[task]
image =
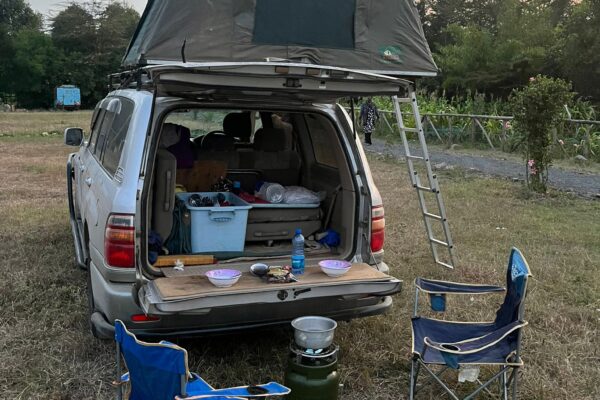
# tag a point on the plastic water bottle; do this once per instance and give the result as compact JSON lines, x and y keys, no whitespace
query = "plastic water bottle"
{"x":298,"y":253}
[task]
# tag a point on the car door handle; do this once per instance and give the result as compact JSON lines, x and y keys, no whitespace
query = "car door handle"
{"x":88,"y":181}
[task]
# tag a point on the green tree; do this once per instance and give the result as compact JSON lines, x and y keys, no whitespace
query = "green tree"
{"x":15,"y":15}
{"x":579,"y":50}
{"x":93,"y":37}
{"x":36,"y":60}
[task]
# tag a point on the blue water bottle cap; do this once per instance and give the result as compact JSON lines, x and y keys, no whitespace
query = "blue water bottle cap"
{"x":298,"y":231}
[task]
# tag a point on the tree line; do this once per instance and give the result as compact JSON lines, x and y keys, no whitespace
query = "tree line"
{"x":493,"y":46}
{"x":79,"y":45}
{"x":481,"y":46}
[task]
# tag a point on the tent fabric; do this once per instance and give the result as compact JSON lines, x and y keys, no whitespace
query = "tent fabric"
{"x":383,"y":36}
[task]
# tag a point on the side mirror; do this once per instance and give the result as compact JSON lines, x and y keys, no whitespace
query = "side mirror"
{"x":73,"y":136}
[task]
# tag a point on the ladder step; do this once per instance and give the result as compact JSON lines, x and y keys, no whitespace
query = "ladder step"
{"x":433,"y":216}
{"x":404,"y":100}
{"x":425,"y":188}
{"x":414,"y":157}
{"x":443,"y":264}
{"x":441,"y":243}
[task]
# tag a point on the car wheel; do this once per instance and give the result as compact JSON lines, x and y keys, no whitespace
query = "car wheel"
{"x":90,"y":300}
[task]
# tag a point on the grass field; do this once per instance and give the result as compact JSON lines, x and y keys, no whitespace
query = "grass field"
{"x":46,"y":351}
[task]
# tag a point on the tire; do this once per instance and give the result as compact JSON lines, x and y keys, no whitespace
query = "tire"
{"x":90,"y":300}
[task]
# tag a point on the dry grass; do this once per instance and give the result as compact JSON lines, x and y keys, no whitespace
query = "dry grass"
{"x":47,"y":352}
{"x":35,"y":123}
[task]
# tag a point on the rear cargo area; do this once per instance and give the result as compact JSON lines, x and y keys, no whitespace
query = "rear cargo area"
{"x":236,"y":184}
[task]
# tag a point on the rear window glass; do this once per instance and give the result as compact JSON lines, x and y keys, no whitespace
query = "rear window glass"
{"x":116,"y":136}
{"x":314,"y":23}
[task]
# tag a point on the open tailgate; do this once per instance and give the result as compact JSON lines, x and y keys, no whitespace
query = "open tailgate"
{"x":290,"y":81}
{"x":192,"y":292}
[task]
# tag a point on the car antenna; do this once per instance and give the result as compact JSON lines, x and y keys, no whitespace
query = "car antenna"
{"x":183,"y":50}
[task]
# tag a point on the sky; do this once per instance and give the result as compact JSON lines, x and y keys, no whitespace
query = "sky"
{"x":49,"y":6}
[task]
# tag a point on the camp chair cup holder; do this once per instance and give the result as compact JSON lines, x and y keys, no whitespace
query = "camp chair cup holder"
{"x":437,"y":302}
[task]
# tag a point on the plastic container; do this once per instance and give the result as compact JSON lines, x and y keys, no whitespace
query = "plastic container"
{"x":217,"y":229}
{"x":298,"y":253}
{"x":271,"y":192}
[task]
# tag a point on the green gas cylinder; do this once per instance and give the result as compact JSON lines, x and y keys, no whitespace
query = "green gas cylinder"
{"x":312,"y":377}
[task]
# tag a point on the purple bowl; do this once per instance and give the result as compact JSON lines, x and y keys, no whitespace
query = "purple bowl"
{"x":335,"y":264}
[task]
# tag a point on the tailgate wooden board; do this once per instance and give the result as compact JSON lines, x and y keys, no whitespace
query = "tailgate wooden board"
{"x":184,"y":287}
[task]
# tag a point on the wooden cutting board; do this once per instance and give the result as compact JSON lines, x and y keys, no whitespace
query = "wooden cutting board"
{"x":198,"y":259}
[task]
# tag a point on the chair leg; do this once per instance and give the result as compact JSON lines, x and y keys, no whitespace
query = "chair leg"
{"x":411,"y":395}
{"x":503,"y":387}
{"x":119,"y":386}
{"x":515,"y":384}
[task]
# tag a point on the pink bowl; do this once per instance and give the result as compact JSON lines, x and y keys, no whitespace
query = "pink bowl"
{"x":223,"y":277}
{"x":335,"y":264}
{"x":335,"y":268}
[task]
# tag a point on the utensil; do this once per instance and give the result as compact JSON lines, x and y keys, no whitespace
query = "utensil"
{"x":259,"y":269}
{"x":335,"y":268}
{"x":314,"y":332}
{"x":223,"y":278}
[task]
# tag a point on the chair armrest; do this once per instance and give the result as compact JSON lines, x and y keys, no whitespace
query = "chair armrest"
{"x":476,"y":344}
{"x":442,"y":287}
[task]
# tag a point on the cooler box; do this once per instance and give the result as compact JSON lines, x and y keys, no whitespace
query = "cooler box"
{"x":280,"y":221}
{"x":217,"y":229}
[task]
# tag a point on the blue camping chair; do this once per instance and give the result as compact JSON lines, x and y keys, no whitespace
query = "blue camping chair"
{"x":159,"y":371}
{"x":438,"y":346}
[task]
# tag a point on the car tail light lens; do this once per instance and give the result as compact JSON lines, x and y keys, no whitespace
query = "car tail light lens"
{"x":377,"y":228}
{"x":119,"y":241}
{"x":143,"y":318}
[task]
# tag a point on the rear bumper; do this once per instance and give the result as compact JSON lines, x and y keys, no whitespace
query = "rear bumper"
{"x":187,"y":326}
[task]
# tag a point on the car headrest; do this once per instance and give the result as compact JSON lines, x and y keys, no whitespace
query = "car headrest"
{"x":217,"y":142}
{"x":171,"y":134}
{"x":238,"y":125}
{"x":183,"y":150}
{"x":269,"y":139}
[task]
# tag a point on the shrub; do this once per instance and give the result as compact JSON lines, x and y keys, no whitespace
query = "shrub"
{"x":537,"y":109}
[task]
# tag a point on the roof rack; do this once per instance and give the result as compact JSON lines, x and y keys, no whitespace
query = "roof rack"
{"x":135,"y":78}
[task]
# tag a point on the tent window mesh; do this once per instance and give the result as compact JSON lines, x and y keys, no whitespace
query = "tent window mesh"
{"x":313,"y":23}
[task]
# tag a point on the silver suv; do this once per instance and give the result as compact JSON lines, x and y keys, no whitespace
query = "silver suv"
{"x":171,"y":130}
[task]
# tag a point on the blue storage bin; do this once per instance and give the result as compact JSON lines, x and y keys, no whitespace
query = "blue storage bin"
{"x":217,"y":229}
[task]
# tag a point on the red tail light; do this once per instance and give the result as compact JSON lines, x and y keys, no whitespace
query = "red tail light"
{"x":137,"y":318}
{"x":119,"y":241}
{"x":377,"y":228}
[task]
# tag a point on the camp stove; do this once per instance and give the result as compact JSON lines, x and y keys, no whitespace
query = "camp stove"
{"x":312,"y":373}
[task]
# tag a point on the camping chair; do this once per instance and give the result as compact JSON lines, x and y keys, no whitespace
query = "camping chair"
{"x":457,"y":345}
{"x":159,"y":371}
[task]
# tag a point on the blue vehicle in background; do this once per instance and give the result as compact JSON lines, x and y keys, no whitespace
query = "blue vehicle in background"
{"x":67,"y":97}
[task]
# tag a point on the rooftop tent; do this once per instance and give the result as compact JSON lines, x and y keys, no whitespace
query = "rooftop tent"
{"x":383,"y":36}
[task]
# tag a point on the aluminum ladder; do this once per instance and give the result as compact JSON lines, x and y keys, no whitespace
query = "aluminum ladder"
{"x":432,"y":187}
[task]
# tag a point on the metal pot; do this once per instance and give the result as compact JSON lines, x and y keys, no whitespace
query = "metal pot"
{"x":314,"y":332}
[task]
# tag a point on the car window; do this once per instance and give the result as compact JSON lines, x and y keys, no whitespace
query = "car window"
{"x":113,"y":107}
{"x":320,"y":132}
{"x":199,"y":122}
{"x":115,"y":139}
{"x":95,"y":128}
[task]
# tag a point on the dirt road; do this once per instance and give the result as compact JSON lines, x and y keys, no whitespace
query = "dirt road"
{"x":585,"y":184}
